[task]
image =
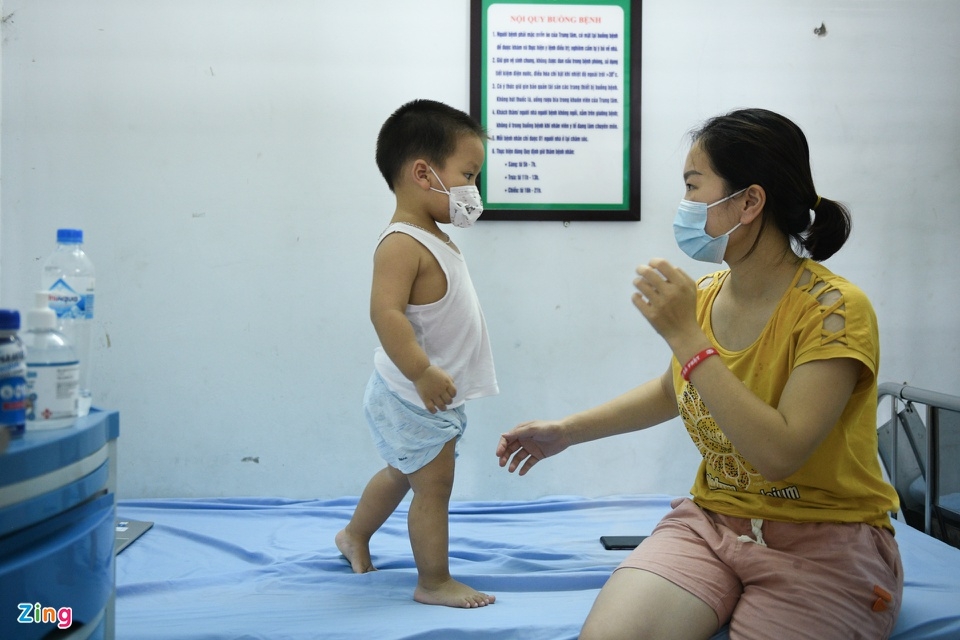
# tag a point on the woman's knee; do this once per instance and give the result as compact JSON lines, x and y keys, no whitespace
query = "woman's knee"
{"x":640,"y":605}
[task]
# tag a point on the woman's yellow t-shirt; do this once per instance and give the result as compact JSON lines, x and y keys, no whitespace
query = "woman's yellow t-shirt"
{"x":821,"y":316}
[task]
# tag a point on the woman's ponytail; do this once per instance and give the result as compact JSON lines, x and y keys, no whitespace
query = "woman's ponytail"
{"x":828,"y":231}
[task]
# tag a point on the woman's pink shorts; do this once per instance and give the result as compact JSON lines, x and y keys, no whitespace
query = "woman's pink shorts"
{"x":807,"y":580}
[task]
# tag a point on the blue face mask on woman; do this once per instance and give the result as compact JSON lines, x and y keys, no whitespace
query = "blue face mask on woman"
{"x":690,"y":230}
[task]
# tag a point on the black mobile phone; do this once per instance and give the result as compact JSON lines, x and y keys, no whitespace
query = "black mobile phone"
{"x":621,"y":542}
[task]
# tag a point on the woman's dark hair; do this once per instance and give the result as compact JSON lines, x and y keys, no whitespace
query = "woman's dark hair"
{"x":756,"y":146}
{"x":421,"y":129}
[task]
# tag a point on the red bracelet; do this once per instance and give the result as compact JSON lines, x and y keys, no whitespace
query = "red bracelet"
{"x":695,"y":361}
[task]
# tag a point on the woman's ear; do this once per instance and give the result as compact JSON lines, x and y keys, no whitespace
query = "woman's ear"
{"x":755,"y":198}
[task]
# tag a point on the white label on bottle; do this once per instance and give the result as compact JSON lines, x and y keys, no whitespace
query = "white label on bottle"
{"x":52,"y":391}
{"x":70,"y":302}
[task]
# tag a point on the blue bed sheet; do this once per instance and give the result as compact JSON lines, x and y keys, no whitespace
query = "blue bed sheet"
{"x":268,"y":568}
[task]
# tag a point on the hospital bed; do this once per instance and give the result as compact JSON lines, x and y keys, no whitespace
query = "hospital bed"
{"x":268,"y":568}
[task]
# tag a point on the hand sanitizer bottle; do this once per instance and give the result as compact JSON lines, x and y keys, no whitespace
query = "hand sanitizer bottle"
{"x":53,"y":370}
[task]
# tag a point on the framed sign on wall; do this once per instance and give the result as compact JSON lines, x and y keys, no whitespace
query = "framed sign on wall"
{"x":556,"y":83}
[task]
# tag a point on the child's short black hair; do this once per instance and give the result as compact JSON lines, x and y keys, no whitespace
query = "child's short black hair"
{"x":421,"y":129}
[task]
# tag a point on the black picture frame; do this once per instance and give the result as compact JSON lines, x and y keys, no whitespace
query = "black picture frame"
{"x":572,"y":33}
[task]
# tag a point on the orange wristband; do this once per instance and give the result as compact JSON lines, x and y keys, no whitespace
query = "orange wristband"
{"x":695,"y":361}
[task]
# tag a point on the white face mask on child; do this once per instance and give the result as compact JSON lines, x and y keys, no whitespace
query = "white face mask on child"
{"x":465,"y":203}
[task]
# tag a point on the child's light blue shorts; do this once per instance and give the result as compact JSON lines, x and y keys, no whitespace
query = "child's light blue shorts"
{"x":408,"y":437}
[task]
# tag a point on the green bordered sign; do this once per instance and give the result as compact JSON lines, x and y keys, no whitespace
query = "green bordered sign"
{"x":557,"y":86}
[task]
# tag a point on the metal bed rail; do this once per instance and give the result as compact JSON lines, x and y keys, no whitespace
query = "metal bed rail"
{"x":934,"y":402}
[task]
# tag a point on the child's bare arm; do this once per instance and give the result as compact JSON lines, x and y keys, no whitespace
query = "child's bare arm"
{"x":396,"y":265}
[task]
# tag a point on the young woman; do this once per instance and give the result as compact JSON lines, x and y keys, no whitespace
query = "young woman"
{"x":787,"y":534}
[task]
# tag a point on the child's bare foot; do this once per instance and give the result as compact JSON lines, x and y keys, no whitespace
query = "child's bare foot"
{"x":355,"y":551}
{"x":452,"y":594}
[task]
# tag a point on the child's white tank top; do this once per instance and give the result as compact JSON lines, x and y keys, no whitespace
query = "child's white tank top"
{"x":452,"y":330}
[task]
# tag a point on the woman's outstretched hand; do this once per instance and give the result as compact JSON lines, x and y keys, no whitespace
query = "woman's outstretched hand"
{"x":527,"y":444}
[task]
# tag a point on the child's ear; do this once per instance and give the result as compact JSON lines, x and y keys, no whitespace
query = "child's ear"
{"x":420,"y":173}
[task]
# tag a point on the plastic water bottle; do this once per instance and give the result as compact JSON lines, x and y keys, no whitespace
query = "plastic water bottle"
{"x":68,"y":276}
{"x":13,"y":374}
{"x":53,"y":370}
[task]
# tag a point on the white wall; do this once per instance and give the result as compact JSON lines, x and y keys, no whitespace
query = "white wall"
{"x":219,"y":156}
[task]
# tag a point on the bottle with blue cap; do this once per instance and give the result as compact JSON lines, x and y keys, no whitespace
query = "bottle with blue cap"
{"x":69,"y":277}
{"x":13,"y":374}
{"x":53,"y":370}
